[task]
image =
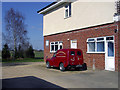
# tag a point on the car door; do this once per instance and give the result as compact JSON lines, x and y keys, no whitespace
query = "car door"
{"x":54,"y":60}
{"x":72,"y":57}
{"x":79,"y":57}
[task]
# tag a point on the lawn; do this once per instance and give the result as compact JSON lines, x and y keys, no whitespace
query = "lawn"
{"x":39,"y":54}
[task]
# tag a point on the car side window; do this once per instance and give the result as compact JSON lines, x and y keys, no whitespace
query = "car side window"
{"x":78,"y":53}
{"x":54,"y":55}
{"x":72,"y":53}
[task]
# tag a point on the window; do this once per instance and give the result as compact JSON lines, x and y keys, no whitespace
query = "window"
{"x":110,"y":49}
{"x":68,"y":10}
{"x":47,"y":42}
{"x":72,"y":53}
{"x":91,"y":46}
{"x":78,"y":53}
{"x":100,"y":47}
{"x":54,"y":46}
{"x":73,"y":43}
{"x":54,"y":55}
{"x":96,"y":44}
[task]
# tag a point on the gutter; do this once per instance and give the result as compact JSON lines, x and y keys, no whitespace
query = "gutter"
{"x":51,"y":7}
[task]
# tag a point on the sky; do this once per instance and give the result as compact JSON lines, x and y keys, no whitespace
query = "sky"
{"x":33,"y":20}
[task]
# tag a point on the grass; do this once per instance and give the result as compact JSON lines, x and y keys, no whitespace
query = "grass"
{"x":39,"y":54}
{"x":23,"y":60}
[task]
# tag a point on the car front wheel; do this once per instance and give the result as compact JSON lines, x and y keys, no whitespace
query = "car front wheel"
{"x":48,"y":65}
{"x":62,"y":68}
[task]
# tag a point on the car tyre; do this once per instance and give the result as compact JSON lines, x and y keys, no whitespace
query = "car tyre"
{"x":47,"y":64}
{"x":84,"y":66}
{"x":62,"y":68}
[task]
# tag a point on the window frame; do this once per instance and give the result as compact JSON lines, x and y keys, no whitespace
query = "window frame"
{"x":68,"y":9}
{"x":53,"y":43}
{"x":96,"y":41}
{"x":47,"y":43}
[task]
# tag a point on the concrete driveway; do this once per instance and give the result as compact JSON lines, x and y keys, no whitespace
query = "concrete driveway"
{"x":36,"y":75}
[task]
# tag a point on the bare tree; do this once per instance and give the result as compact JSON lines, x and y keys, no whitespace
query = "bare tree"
{"x":16,"y":29}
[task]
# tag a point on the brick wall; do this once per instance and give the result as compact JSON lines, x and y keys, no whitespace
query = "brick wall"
{"x":82,"y":35}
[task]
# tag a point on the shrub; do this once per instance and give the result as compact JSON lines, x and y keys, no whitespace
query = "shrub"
{"x":5,"y":52}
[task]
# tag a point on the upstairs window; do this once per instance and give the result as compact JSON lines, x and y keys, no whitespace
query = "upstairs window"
{"x":68,"y":10}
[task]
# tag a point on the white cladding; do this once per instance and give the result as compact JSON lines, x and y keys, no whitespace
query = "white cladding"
{"x":84,"y":14}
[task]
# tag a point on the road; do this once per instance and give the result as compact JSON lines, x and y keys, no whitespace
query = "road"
{"x":36,"y":75}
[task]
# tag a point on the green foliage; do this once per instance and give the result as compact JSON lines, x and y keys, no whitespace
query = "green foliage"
{"x":5,"y":52}
{"x":30,"y":52}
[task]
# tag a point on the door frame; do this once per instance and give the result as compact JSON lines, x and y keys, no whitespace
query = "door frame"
{"x":106,"y":51}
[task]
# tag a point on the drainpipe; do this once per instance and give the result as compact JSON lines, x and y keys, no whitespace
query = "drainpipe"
{"x":117,"y":23}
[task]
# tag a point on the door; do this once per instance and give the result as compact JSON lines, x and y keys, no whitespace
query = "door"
{"x":54,"y":60}
{"x":110,"y":58}
{"x":72,"y":57}
{"x":79,"y":58}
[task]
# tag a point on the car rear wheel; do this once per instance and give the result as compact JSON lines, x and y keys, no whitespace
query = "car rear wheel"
{"x":48,"y":65}
{"x":84,"y":66}
{"x":62,"y":68}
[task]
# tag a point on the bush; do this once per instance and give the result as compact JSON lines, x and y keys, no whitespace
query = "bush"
{"x":5,"y":52}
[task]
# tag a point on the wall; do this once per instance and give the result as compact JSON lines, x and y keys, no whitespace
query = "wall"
{"x":84,"y":14}
{"x":81,"y":35}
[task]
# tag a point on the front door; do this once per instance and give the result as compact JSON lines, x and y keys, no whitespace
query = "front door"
{"x":110,"y":60}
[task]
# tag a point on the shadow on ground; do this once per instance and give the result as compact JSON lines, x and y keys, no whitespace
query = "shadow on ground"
{"x":28,"y":82}
{"x":72,"y":69}
{"x":13,"y":64}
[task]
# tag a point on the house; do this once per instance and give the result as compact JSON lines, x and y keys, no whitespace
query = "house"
{"x":89,"y":26}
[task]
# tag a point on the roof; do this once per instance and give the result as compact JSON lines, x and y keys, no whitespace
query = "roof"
{"x":50,"y":6}
{"x":46,"y":7}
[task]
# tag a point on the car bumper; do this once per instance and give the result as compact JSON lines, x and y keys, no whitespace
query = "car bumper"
{"x":75,"y":66}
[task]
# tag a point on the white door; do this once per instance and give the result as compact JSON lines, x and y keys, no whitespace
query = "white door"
{"x":74,"y":44}
{"x":110,"y":60}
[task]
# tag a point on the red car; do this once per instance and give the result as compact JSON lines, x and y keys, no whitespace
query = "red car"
{"x":67,"y":58}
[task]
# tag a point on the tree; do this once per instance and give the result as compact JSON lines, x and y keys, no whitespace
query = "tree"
{"x":30,"y":52}
{"x":20,"y":52}
{"x":16,"y":30}
{"x":5,"y":52}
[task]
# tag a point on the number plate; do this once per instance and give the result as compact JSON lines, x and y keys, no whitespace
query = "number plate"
{"x":78,"y":65}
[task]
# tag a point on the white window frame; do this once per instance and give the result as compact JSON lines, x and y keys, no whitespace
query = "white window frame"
{"x":68,"y":8}
{"x":95,"y":40}
{"x":75,"y":41}
{"x":56,"y":44}
{"x":47,"y":43}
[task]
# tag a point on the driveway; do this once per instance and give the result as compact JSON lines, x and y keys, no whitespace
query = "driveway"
{"x":36,"y":75}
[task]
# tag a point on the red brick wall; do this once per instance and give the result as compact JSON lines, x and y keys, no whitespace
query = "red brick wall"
{"x":81,"y":36}
{"x":118,"y":45}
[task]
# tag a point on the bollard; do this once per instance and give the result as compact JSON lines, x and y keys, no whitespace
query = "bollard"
{"x":93,"y":64}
